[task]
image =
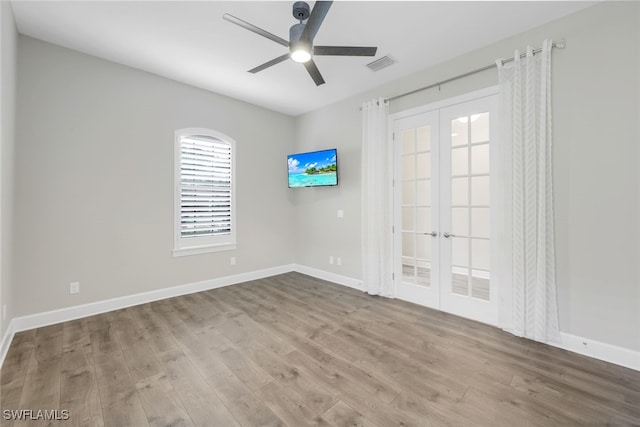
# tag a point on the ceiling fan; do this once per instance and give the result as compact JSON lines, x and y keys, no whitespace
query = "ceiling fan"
{"x":300,"y":43}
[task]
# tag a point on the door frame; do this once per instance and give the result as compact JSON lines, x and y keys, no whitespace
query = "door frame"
{"x":498,"y":267}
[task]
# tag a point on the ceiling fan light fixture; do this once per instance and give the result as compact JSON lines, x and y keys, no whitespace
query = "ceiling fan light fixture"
{"x":300,"y":55}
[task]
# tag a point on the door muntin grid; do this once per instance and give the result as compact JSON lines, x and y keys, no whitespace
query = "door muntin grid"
{"x":470,"y":206}
{"x":416,"y":204}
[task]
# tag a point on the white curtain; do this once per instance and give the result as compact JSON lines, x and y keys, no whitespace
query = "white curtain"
{"x":525,"y":91}
{"x":376,"y":201}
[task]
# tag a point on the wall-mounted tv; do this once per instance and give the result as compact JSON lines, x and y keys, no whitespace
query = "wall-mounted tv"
{"x":313,"y":169}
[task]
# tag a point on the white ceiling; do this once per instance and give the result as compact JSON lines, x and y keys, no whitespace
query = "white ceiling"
{"x":190,"y":42}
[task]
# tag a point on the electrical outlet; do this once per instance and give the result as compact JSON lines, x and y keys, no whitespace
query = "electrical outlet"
{"x":331,"y":259}
{"x":340,"y":213}
{"x":232,"y":260}
{"x":74,"y":288}
{"x":338,"y":261}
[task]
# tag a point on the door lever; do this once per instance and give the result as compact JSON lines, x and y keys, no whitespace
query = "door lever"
{"x":432,"y":234}
{"x":447,"y":235}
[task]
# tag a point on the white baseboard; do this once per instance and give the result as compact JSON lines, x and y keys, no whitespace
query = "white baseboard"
{"x":330,"y":277}
{"x":6,"y":342}
{"x":38,"y":320}
{"x":600,"y":350}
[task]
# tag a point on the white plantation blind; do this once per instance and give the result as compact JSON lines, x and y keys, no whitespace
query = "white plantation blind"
{"x":205,"y":186}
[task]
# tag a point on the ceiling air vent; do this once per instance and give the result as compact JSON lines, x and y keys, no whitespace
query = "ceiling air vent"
{"x":379,"y":64}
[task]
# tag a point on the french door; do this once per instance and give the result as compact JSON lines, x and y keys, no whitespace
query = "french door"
{"x":442,"y":208}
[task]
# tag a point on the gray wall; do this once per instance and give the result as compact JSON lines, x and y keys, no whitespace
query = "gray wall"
{"x":8,"y":60}
{"x":596,"y":83}
{"x":94,"y":180}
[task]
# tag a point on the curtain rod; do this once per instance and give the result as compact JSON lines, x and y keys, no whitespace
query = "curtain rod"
{"x":559,"y":45}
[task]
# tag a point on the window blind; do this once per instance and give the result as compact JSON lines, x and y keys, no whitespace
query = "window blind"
{"x":205,"y":186}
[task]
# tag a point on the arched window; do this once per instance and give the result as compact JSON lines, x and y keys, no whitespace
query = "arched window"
{"x":204,"y":219}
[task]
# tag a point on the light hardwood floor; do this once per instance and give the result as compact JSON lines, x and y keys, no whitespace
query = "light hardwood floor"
{"x":295,"y":351}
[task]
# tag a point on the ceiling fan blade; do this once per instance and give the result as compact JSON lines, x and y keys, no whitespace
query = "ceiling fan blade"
{"x":253,"y":28}
{"x":268,"y":64}
{"x":344,"y":50}
{"x":314,"y":72}
{"x":318,"y":13}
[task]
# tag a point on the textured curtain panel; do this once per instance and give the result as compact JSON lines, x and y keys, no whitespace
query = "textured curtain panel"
{"x":376,"y":200}
{"x":525,"y":91}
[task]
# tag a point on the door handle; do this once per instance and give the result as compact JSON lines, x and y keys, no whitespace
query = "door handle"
{"x":447,"y":235}
{"x":432,"y":234}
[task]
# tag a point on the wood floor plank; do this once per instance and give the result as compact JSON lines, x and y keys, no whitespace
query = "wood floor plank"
{"x":293,"y":350}
{"x":247,"y":409}
{"x":121,"y":405}
{"x":199,"y":400}
{"x":161,"y":402}
{"x":79,"y":386}
{"x":342,"y":415}
{"x":14,"y":372}
{"x":137,"y":353}
{"x":317,"y":398}
{"x":158,"y":337}
{"x":288,"y":407}
{"x":245,"y":369}
{"x":75,"y":334}
{"x":262,"y":311}
{"x":41,"y":390}
{"x":379,"y":411}
{"x":240,"y":328}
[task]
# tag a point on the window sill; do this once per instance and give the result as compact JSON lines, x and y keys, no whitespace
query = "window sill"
{"x":195,"y":250}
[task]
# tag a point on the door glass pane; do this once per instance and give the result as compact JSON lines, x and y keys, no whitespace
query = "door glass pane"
{"x":407,"y":245}
{"x":480,"y":127}
{"x":460,"y":251}
{"x":480,"y":254}
{"x":423,"y":247}
{"x":424,"y":192}
{"x":408,"y":190}
{"x":408,"y":167}
{"x":408,"y":141}
{"x":423,"y":220}
{"x":407,"y":218}
{"x":460,"y":161}
{"x":423,"y":164}
{"x":459,"y":191}
{"x":459,"y":131}
{"x":460,"y":221}
{"x":480,"y":159}
{"x":424,"y":138}
{"x":480,"y":222}
{"x":480,"y":191}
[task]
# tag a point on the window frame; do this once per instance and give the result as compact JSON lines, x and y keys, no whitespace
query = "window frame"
{"x":202,"y":244}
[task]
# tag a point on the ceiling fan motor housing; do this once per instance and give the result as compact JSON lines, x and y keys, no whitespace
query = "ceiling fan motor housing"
{"x":301,"y":10}
{"x":296,"y":45}
{"x":295,"y":32}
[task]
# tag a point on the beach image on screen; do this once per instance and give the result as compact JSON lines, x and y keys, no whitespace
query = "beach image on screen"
{"x":313,"y":169}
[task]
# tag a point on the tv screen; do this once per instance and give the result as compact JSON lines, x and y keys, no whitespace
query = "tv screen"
{"x":317,"y":168}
